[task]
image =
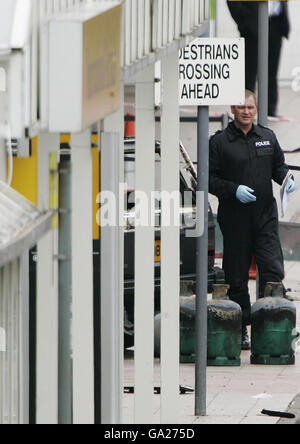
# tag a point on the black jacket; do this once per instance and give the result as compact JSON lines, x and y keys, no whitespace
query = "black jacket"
{"x":245,"y":15}
{"x":252,"y":160}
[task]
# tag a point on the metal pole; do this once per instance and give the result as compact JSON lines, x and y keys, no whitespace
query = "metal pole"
{"x":263,"y":63}
{"x":201,"y":265}
{"x":82,"y":279}
{"x":170,"y":245}
{"x":46,"y":316}
{"x":24,"y":337}
{"x":111,"y":365}
{"x":216,"y":18}
{"x":65,"y":377}
{"x":144,"y":249}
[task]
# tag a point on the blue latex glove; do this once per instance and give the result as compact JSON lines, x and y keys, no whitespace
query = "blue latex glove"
{"x":244,"y":194}
{"x":291,"y":186}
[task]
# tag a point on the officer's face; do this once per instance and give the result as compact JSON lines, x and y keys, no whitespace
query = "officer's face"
{"x":245,"y":115}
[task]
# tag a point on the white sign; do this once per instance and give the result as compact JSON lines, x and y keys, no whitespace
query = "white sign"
{"x":212,"y":72}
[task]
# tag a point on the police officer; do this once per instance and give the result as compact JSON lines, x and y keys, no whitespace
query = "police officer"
{"x":244,"y":159}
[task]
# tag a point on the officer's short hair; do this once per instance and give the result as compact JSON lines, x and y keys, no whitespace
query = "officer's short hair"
{"x":251,"y":94}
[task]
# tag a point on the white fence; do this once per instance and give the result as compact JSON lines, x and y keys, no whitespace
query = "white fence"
{"x":21,"y":225}
{"x":152,"y":25}
{"x":148,"y":24}
{"x":14,"y":375}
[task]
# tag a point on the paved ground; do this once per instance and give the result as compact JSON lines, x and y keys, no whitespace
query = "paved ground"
{"x":235,"y":395}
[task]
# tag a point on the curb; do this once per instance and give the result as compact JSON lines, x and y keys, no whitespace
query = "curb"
{"x":294,"y":408}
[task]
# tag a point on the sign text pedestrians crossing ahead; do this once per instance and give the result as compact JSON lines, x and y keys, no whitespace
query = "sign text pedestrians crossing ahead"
{"x":212,"y":72}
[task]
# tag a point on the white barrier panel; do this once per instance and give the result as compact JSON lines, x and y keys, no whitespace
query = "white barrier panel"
{"x":111,"y":296}
{"x":82,"y":280}
{"x":47,"y":298}
{"x":144,"y":249}
{"x":14,"y":367}
{"x":170,"y":244}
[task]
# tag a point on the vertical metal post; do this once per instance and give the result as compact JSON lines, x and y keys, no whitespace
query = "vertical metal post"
{"x":82,"y":279}
{"x":225,"y":120}
{"x":216,"y":18}
{"x":170,"y":242}
{"x":23,"y":302}
{"x":263,"y":64}
{"x":65,"y":373}
{"x":144,"y":248}
{"x":201,"y":266}
{"x":2,"y":345}
{"x":47,"y":297}
{"x":114,"y":123}
{"x":14,"y":351}
{"x":111,"y":297}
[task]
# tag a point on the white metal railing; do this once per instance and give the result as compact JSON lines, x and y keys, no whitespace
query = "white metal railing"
{"x":10,"y":350}
{"x":150,"y":25}
{"x":21,"y":225}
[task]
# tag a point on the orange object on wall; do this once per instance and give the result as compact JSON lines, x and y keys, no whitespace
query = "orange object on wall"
{"x":129,"y":126}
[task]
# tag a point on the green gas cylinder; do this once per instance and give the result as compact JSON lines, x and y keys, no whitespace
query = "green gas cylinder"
{"x":224,"y":329}
{"x":273,"y":328}
{"x":187,"y":330}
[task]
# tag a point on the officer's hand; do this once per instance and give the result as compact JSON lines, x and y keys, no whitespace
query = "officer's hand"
{"x":244,"y":194}
{"x":291,"y":186}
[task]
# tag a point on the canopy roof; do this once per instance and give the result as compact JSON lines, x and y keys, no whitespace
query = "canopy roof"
{"x":21,"y":224}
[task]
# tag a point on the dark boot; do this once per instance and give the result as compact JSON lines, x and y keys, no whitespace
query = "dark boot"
{"x":245,"y":339}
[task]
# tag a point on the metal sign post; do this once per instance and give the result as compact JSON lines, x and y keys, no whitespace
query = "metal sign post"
{"x":212,"y":72}
{"x":201,"y":265}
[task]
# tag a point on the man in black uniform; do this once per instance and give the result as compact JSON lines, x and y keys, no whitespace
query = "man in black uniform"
{"x":245,"y":14}
{"x":244,"y":159}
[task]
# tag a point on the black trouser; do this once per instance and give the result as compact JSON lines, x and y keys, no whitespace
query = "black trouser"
{"x":251,"y":61}
{"x":275,"y":39}
{"x":250,"y":230}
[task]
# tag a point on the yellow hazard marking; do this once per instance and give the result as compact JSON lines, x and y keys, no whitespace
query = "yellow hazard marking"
{"x":25,"y":171}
